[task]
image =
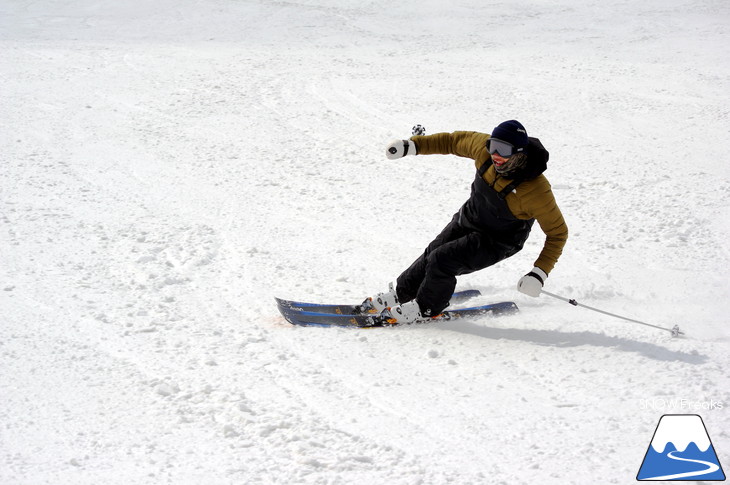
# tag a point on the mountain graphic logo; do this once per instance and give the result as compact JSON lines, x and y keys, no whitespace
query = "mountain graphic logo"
{"x":681,"y":450}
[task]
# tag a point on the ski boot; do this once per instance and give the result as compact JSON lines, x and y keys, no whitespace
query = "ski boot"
{"x":381,"y":301}
{"x":406,"y":313}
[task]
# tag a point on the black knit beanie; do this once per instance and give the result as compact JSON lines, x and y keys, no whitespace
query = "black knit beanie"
{"x":512,"y":132}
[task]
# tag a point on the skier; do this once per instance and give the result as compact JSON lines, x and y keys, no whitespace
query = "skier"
{"x":508,"y":194}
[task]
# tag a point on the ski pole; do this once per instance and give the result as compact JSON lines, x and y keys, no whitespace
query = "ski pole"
{"x":674,"y":330}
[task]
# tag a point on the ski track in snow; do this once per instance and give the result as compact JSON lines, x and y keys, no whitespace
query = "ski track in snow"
{"x":167,"y":169}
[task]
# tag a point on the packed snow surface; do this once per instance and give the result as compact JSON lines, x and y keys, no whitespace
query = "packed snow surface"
{"x":167,"y":168}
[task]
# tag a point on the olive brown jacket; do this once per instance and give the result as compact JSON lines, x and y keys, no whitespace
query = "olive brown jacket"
{"x":532,"y":199}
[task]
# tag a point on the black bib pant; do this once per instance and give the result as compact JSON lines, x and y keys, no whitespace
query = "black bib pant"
{"x":481,"y":234}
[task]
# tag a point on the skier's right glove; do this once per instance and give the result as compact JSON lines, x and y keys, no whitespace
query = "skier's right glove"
{"x":531,"y":284}
{"x":400,"y":148}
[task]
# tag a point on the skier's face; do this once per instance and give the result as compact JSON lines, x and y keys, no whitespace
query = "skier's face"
{"x":499,"y":161}
{"x":511,"y":165}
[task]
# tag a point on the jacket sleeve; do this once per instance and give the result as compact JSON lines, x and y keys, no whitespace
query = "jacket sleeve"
{"x":468,"y":144}
{"x":543,"y":207}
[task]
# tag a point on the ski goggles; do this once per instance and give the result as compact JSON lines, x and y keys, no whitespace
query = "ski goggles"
{"x":501,"y":148}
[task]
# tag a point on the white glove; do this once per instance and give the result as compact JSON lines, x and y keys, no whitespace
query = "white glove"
{"x":400,"y":148}
{"x":531,"y":283}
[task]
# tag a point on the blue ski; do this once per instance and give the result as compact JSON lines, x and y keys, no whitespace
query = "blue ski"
{"x":289,"y":305}
{"x":317,"y":319}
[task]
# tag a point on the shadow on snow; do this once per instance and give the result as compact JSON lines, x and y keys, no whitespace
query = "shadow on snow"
{"x":554,"y":338}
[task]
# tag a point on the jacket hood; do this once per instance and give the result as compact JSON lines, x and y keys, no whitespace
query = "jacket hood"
{"x":537,"y":158}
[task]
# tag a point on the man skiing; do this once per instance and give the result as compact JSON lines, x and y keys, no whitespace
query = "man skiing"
{"x":508,"y":194}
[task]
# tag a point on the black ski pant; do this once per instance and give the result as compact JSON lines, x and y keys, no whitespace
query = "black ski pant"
{"x":431,"y":279}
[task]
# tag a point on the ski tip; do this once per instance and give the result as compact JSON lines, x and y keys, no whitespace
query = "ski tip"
{"x":503,"y":306}
{"x":282,"y":304}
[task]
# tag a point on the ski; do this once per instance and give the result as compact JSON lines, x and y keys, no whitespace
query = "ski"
{"x":317,"y":319}
{"x":299,"y":306}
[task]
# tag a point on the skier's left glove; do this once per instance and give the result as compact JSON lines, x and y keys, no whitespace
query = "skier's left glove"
{"x":400,"y":148}
{"x":531,"y":283}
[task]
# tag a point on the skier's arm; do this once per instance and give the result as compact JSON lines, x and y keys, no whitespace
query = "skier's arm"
{"x":541,"y":205}
{"x":556,"y":235}
{"x":469,"y":144}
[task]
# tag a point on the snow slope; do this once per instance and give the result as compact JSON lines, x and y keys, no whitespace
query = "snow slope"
{"x":169,"y":167}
